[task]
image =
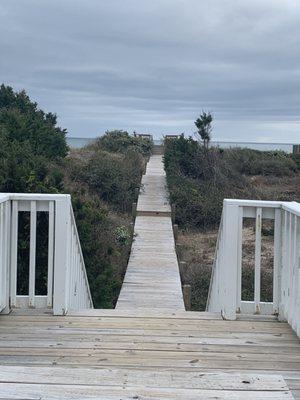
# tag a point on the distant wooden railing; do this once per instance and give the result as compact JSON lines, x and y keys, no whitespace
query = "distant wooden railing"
{"x":67,"y":284}
{"x":225,"y":293}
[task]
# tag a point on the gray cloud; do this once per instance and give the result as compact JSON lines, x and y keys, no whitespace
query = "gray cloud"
{"x":154,"y":65}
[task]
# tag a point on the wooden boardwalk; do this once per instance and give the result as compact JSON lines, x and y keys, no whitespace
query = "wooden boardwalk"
{"x":152,"y":279}
{"x":149,"y":347}
{"x":111,"y":354}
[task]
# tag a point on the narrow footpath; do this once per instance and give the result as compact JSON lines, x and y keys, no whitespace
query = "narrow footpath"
{"x":152,"y":279}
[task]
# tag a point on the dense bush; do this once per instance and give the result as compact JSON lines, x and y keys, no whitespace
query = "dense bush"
{"x":255,"y":162}
{"x":100,"y":178}
{"x":31,"y":145}
{"x":200,"y":178}
{"x":103,"y":185}
{"x":120,"y":142}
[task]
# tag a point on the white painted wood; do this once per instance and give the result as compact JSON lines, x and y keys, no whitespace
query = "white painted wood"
{"x":239,"y":260}
{"x":14,"y":254}
{"x":5,"y":256}
{"x":286,"y":274}
{"x":64,"y":264}
{"x":277,"y":260}
{"x":50,"y":255}
{"x":257,"y":274}
{"x":2,"y":259}
{"x":228,"y":263}
{"x":32,"y":254}
{"x":61,"y":256}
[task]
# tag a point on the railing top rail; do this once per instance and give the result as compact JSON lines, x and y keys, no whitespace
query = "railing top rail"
{"x":291,"y":206}
{"x":37,"y":196}
{"x":255,"y":203}
{"x":82,"y":258}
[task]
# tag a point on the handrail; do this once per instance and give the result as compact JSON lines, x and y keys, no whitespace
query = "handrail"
{"x":214,"y":266}
{"x":89,"y":300}
{"x":65,"y":259}
{"x":225,"y":293}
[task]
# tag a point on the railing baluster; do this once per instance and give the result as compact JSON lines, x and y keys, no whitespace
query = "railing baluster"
{"x":32,"y":254}
{"x":293,"y":272}
{"x":288,"y":271}
{"x":14,"y":255}
{"x":50,"y":255}
{"x":2,"y":259}
{"x":277,"y":260}
{"x":257,"y":276}
{"x":7,"y":233}
{"x":297,"y":279}
{"x":239,"y":259}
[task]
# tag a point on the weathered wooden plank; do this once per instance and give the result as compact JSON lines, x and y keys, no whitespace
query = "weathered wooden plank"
{"x":149,"y":378}
{"x":57,"y":392}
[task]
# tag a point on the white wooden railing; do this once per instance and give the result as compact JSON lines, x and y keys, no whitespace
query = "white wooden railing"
{"x":225,"y":293}
{"x":67,"y":284}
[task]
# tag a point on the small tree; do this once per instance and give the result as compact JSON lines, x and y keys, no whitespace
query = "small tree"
{"x":203,"y":124}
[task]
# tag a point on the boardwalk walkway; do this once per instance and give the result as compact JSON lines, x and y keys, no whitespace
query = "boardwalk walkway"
{"x":152,"y":278}
{"x":149,"y":347}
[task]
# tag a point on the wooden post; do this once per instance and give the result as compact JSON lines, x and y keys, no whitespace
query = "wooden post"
{"x":179,"y":250}
{"x":296,"y":149}
{"x":175,"y":231}
{"x":173,"y":209}
{"x":134,"y":205}
{"x":136,"y":192}
{"x":182,"y":266}
{"x":230,"y":262}
{"x":187,"y":294}
{"x":61,"y":255}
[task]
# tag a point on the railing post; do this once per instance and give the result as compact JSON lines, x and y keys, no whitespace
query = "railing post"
{"x":61,"y":255}
{"x":229,"y":261}
{"x":7,"y":206}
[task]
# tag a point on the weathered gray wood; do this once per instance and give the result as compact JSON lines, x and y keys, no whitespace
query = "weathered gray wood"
{"x":186,"y":289}
{"x":149,"y":378}
{"x":152,"y":279}
{"x":179,"y":356}
{"x":58,"y":392}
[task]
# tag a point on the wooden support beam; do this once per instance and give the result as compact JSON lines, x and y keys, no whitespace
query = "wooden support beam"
{"x":187,"y":295}
{"x":173,"y":210}
{"x":175,"y":231}
{"x":134,"y":209}
{"x":179,"y":247}
{"x":182,"y":266}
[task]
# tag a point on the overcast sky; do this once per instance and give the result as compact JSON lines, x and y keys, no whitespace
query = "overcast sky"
{"x":153,"y":65}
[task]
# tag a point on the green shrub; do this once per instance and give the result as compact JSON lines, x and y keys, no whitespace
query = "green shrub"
{"x":296,"y":159}
{"x":100,"y":178}
{"x":255,"y":162}
{"x":199,"y":178}
{"x":120,"y":142}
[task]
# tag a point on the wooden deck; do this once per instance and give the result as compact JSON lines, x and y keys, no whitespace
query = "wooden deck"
{"x":152,"y":279}
{"x":111,"y":354}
